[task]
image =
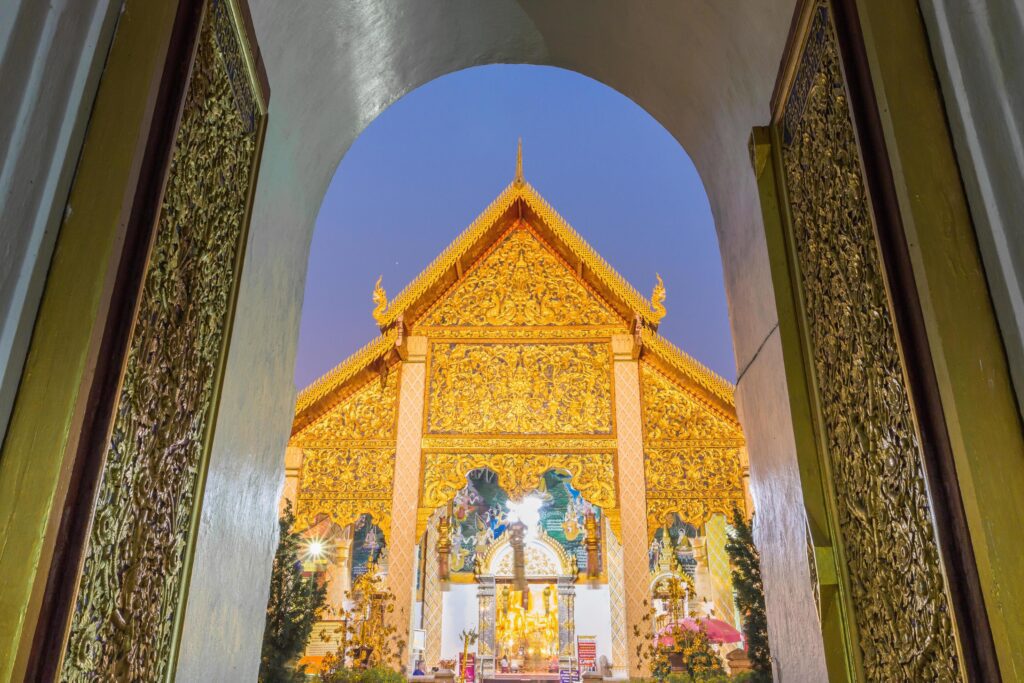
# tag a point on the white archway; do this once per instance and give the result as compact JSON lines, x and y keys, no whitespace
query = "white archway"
{"x":704,"y":70}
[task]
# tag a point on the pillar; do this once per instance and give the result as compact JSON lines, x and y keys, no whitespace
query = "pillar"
{"x":632,"y":491}
{"x":566,"y":622}
{"x":486,"y":593}
{"x":339,"y":573}
{"x":292,"y":468}
{"x":401,"y":539}
{"x":617,"y":602}
{"x":432,"y":603}
{"x":718,"y":568}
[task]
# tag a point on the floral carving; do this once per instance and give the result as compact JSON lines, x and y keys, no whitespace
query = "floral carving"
{"x":671,"y":412}
{"x":521,"y":282}
{"x":129,"y":589}
{"x":369,"y":413}
{"x":520,"y":389}
{"x":901,"y":608}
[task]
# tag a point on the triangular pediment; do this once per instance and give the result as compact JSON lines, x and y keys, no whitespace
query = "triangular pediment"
{"x":520,"y":281}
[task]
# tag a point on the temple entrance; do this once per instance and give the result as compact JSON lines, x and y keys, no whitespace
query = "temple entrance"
{"x":838,"y":322}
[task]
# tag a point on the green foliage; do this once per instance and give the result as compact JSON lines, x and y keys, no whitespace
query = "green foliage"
{"x":292,"y":610}
{"x":746,"y":581}
{"x":376,"y":674}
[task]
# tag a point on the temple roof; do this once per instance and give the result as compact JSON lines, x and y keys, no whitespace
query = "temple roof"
{"x":518,"y":203}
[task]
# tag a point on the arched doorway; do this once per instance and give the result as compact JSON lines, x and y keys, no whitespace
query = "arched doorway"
{"x":707,"y":74}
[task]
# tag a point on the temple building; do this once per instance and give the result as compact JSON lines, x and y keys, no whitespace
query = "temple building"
{"x":520,"y":453}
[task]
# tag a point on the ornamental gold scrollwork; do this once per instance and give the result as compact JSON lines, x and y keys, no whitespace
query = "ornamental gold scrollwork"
{"x":130,"y":584}
{"x":901,"y":607}
{"x":593,"y":474}
{"x":693,"y":471}
{"x":672,"y":412}
{"x":521,"y":282}
{"x":344,"y":511}
{"x":369,"y":413}
{"x":347,"y":473}
{"x":694,"y":511}
{"x":519,"y":389}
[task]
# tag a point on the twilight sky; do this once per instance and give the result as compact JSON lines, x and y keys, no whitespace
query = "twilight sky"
{"x":427,"y":166}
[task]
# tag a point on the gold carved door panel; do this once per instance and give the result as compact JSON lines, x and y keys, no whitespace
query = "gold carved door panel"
{"x":893,"y":618}
{"x":129,"y":595}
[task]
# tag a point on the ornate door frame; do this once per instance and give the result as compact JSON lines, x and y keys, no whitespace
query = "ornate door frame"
{"x":110,"y":435}
{"x":890,"y":542}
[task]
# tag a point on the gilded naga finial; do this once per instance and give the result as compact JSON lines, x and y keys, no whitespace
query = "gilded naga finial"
{"x":519,"y":164}
{"x":658,"y":299}
{"x":380,"y":298}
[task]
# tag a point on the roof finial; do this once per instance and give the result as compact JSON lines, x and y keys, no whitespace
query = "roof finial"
{"x":380,"y":298}
{"x":658,"y":300}
{"x":519,"y":163}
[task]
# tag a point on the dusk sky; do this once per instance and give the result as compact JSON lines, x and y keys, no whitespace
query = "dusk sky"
{"x":426,"y":167}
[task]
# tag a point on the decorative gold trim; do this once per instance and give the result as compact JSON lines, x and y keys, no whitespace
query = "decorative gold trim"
{"x":344,"y":371}
{"x":593,"y":262}
{"x":520,"y":444}
{"x":689,"y":366}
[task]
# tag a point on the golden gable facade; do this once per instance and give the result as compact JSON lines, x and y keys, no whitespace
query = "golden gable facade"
{"x":520,"y":351}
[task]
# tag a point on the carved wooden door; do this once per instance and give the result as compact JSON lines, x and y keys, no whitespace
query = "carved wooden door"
{"x":124,"y":591}
{"x":894,"y":574}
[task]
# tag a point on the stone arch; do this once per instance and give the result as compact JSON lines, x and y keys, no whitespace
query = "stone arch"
{"x":704,"y":72}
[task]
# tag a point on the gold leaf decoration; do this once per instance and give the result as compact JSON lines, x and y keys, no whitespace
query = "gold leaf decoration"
{"x":369,"y":413}
{"x":521,"y":282}
{"x":131,"y":579}
{"x":520,"y":389}
{"x":672,"y":412}
{"x":593,"y":474}
{"x":901,"y":605}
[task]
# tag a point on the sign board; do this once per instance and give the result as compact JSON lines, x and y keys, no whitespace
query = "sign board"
{"x":586,"y":650}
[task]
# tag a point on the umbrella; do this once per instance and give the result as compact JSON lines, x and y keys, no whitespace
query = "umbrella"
{"x":720,"y":632}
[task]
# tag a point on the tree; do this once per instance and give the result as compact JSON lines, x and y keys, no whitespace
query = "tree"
{"x":292,"y":610}
{"x":746,"y":581}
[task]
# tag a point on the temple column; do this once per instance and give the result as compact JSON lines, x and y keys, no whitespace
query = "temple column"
{"x":566,"y":622}
{"x":401,"y":538}
{"x":632,"y":491}
{"x":339,"y":573}
{"x":292,"y":467}
{"x":432,"y":602}
{"x":486,"y":593}
{"x":718,"y":568}
{"x":617,"y":602}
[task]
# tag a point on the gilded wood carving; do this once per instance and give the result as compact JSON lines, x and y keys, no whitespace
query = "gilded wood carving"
{"x":901,"y":609}
{"x":691,"y":453}
{"x":593,"y":474}
{"x":369,"y":413}
{"x":521,"y":282}
{"x":519,"y":389}
{"x":672,"y":413}
{"x":128,"y":592}
{"x":348,"y":464}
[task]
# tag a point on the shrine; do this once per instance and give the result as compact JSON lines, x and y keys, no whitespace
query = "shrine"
{"x":521,"y":455}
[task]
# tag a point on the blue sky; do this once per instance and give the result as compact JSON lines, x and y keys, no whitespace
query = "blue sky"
{"x":427,"y":166}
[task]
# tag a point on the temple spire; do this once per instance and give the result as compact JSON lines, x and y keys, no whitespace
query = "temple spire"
{"x":519,"y":163}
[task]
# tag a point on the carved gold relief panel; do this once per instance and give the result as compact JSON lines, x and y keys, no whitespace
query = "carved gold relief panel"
{"x":900,"y":604}
{"x":128,"y":594}
{"x":495,"y":389}
{"x":344,"y":483}
{"x":369,"y":413}
{"x":673,"y":413}
{"x":593,"y":474}
{"x":521,"y":282}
